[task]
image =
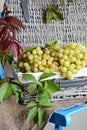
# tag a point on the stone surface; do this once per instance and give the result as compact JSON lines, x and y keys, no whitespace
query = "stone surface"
{"x":13,"y":116}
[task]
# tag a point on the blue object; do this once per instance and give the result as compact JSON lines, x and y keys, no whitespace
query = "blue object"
{"x":62,"y":118}
{"x":0,"y":14}
{"x":2,"y":72}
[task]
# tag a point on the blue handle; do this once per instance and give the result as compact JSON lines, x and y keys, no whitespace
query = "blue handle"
{"x":62,"y":118}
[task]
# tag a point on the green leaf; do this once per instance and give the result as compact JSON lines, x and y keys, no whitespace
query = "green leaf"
{"x":57,"y":16}
{"x":45,"y":102}
{"x":49,"y":93}
{"x":46,"y":75}
{"x":5,"y":91}
{"x":31,"y":104}
{"x":29,"y":48}
{"x":49,"y":16}
{"x":2,"y":81}
{"x":51,"y":43}
{"x":39,"y":83}
{"x":32,"y":114}
{"x":18,"y":92}
{"x":16,"y":82}
{"x":49,"y":84}
{"x":41,"y":116}
{"x":42,"y":95}
{"x":32,"y":88}
{"x":15,"y":66}
{"x":29,"y":77}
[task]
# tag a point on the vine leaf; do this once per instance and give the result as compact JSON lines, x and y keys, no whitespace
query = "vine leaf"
{"x":29,"y":77}
{"x":31,"y":104}
{"x":51,"y":86}
{"x":5,"y":91}
{"x":45,"y":102}
{"x":53,"y":12}
{"x":32,"y":88}
{"x":46,"y":75}
{"x":32,"y":114}
{"x":41,"y":116}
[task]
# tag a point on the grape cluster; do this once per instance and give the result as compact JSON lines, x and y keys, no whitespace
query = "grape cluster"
{"x":67,"y":59}
{"x":72,"y":58}
{"x":39,"y":60}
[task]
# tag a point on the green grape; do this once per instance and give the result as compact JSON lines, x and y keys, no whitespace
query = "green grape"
{"x":30,"y":57}
{"x":78,"y":62}
{"x":66,"y":63}
{"x":26,"y":64}
{"x":51,"y":70}
{"x":43,"y":62}
{"x":35,"y":65}
{"x":62,"y":61}
{"x":35,"y":69}
{"x":38,"y":48}
{"x":76,"y":51}
{"x":78,"y":67}
{"x":21,"y":64}
{"x":41,"y":68}
{"x":60,"y":55}
{"x":79,"y":56}
{"x":73,"y":59}
{"x":71,"y":52}
{"x":28,"y":53}
{"x":66,"y":51}
{"x":39,"y":62}
{"x":27,"y":68}
{"x":83,"y":63}
{"x":34,"y":52}
{"x":49,"y":62}
{"x":65,"y":57}
{"x":64,"y":69}
{"x":47,"y":51}
{"x":69,"y":75}
{"x":53,"y":54}
{"x":46,"y":70}
{"x":74,"y":71}
{"x":52,"y":65}
{"x":72,"y":45}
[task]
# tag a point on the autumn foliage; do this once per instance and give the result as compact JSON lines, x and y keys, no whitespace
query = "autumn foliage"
{"x":8,"y":25}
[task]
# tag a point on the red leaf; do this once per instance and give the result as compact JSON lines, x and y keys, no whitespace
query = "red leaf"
{"x":5,"y":44}
{"x":19,"y":45}
{"x":2,"y":21}
{"x":15,"y":20}
{"x":16,"y":50}
{"x":1,"y":30}
{"x":5,"y":35}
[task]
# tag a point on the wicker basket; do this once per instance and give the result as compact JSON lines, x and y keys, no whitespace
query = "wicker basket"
{"x":73,"y":28}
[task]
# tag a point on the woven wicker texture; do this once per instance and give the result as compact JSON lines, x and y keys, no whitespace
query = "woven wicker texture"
{"x":73,"y":28}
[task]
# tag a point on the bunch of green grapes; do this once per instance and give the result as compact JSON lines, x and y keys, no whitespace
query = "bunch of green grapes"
{"x":67,"y":59}
{"x":72,"y":57}
{"x":38,"y":60}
